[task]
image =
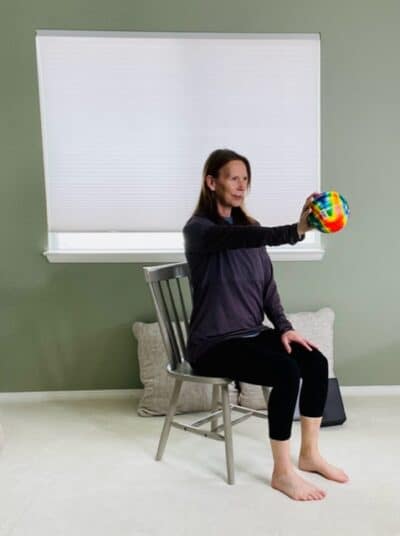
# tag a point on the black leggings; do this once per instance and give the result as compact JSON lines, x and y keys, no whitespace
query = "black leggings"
{"x":263,"y":360}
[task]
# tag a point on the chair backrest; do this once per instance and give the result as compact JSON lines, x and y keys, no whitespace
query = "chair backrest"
{"x":167,"y":284}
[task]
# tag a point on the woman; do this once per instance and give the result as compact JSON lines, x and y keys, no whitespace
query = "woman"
{"x":233,"y":286}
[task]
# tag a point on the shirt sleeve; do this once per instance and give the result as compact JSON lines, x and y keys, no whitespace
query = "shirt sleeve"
{"x":272,"y":302}
{"x":209,"y":237}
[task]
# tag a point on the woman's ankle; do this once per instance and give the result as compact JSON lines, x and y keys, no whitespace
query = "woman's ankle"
{"x":283,"y":470}
{"x":309,"y":452}
{"x":281,"y":455}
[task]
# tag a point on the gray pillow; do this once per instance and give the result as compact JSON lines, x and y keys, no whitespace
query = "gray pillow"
{"x":317,"y":327}
{"x":158,"y":384}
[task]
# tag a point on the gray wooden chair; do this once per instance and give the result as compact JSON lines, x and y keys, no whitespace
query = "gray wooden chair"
{"x":167,"y":285}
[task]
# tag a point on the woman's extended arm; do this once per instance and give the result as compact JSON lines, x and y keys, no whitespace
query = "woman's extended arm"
{"x":202,"y":234}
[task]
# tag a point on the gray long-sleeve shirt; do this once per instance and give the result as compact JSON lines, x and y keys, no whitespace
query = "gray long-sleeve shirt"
{"x":232,"y":280}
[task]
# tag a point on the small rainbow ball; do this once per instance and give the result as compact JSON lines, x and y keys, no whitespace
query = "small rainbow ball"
{"x":329,"y":212}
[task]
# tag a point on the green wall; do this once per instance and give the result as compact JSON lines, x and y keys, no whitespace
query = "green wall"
{"x":68,"y":326}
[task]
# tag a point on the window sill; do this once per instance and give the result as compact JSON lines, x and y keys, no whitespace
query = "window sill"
{"x":151,"y":247}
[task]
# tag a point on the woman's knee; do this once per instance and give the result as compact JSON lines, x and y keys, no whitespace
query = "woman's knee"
{"x":314,"y":361}
{"x":320,"y":361}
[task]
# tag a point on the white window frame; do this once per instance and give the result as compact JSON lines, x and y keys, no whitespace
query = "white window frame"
{"x":149,"y":247}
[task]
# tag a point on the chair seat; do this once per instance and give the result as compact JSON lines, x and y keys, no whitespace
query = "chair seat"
{"x":185,"y":371}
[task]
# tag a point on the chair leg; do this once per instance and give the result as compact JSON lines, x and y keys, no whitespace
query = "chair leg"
{"x":228,"y":434}
{"x":214,"y":405}
{"x":265,"y":390}
{"x":168,"y":418}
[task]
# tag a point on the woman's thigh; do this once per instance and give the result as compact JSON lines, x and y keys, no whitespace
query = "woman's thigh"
{"x":261,"y":360}
{"x":308,"y":361}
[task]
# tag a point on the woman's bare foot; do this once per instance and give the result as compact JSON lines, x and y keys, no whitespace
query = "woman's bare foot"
{"x":316,"y":464}
{"x":296,"y":487}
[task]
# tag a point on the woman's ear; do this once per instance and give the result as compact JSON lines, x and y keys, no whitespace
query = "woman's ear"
{"x":210,"y":182}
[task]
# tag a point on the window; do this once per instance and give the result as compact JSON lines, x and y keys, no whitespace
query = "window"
{"x":129,"y":118}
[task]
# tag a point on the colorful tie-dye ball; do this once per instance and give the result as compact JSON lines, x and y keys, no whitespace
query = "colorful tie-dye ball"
{"x":329,"y":212}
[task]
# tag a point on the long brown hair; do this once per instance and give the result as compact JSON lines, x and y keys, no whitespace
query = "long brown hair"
{"x":207,"y":203}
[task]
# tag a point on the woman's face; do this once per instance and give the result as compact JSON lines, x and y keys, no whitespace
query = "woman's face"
{"x":230,"y":187}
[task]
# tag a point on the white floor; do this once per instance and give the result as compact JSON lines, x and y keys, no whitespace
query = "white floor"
{"x":86,"y":467}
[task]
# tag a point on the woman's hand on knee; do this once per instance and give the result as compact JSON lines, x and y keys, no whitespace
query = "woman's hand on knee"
{"x":294,"y":336}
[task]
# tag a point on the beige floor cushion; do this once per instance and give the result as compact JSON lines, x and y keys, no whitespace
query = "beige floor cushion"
{"x":158,"y":384}
{"x":317,"y":327}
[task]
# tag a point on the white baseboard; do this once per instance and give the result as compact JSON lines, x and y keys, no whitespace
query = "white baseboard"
{"x":346,"y":390}
{"x":370,"y":390}
{"x":71,"y":395}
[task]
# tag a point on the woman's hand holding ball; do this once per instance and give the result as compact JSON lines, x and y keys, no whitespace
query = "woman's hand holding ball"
{"x":327,"y":212}
{"x":303,"y":226}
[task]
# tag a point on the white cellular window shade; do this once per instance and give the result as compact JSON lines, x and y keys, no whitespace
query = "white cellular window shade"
{"x":129,"y":118}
